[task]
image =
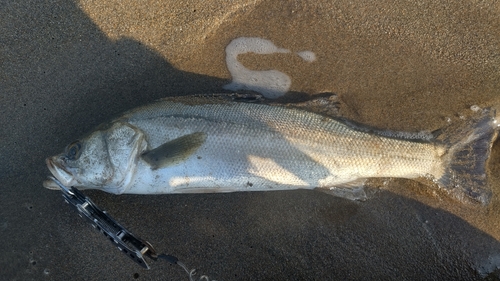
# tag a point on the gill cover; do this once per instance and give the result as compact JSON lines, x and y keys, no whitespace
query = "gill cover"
{"x":124,"y":145}
{"x":105,"y":159}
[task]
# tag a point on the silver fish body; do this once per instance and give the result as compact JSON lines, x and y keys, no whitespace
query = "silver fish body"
{"x":223,"y":146}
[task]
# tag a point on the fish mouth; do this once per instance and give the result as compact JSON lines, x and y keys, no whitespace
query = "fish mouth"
{"x":59,"y":172}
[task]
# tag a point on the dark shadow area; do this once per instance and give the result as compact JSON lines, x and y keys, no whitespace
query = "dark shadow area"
{"x":60,"y":77}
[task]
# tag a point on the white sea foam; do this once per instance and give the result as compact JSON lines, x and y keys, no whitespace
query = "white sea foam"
{"x":307,"y":56}
{"x":475,"y":108}
{"x":270,"y":83}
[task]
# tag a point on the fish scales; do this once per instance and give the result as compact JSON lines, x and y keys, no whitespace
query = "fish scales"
{"x":318,"y":151}
{"x":222,"y":146}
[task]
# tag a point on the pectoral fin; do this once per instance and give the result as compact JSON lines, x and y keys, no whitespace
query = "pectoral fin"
{"x":174,"y":151}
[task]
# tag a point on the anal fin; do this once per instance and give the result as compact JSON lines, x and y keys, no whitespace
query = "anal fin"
{"x":353,"y":190}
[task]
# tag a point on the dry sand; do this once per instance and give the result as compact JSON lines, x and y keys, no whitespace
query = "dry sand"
{"x":68,"y":66}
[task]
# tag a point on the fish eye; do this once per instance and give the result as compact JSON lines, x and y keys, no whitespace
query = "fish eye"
{"x":73,"y":150}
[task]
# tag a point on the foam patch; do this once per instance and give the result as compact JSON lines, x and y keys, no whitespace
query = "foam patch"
{"x":270,"y":83}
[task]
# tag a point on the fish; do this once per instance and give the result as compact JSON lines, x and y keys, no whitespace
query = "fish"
{"x":208,"y":145}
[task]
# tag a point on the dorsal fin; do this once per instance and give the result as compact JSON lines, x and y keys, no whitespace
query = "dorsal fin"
{"x":326,"y":104}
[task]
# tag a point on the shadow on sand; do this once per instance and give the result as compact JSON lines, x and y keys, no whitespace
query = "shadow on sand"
{"x":61,"y":76}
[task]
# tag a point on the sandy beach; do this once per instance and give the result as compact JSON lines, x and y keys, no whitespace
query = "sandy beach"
{"x":67,"y":66}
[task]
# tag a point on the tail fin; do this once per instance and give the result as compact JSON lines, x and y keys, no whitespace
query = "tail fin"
{"x":469,"y":147}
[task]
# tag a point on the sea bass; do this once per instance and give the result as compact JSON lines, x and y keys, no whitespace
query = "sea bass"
{"x":200,"y":145}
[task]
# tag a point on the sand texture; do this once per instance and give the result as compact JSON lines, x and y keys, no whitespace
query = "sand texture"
{"x":67,"y":66}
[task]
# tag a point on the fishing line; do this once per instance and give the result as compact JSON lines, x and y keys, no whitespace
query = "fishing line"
{"x":191,"y":273}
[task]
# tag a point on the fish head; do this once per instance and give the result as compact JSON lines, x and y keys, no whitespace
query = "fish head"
{"x":105,"y":159}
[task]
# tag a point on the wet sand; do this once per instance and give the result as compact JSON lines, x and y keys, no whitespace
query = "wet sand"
{"x":68,"y":66}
